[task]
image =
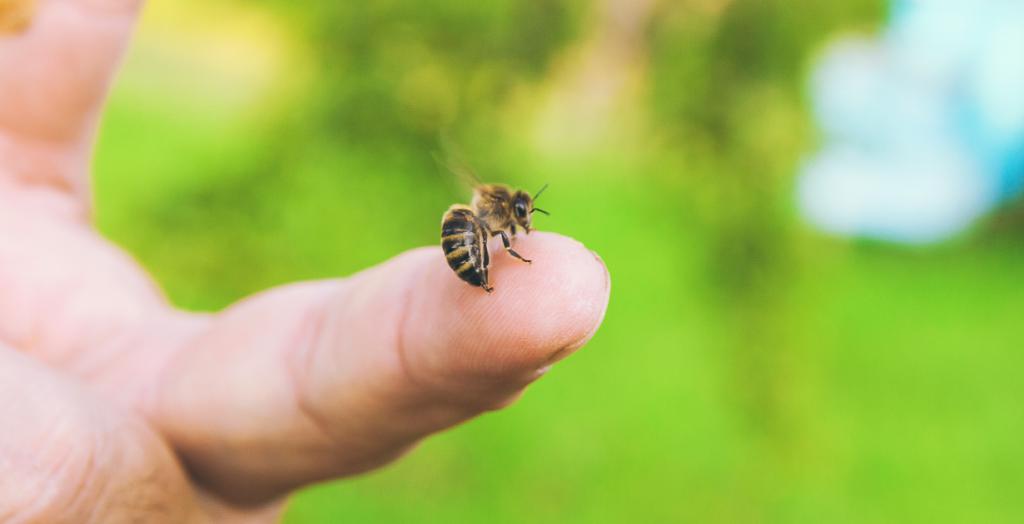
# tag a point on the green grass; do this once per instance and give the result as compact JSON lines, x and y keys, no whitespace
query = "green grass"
{"x":906,"y":410}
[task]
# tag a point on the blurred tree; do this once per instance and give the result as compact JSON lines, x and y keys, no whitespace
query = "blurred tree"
{"x":595,"y":91}
{"x":394,"y":74}
{"x":726,"y":89}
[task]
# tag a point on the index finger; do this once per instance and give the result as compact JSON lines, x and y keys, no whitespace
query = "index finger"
{"x":57,"y":58}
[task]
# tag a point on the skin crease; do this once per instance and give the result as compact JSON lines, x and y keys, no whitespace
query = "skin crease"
{"x":118,"y":407}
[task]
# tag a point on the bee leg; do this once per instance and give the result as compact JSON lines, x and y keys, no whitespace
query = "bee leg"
{"x":508,"y":247}
{"x":483,"y":282}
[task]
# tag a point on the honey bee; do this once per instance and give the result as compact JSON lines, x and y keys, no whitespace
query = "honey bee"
{"x":496,"y":210}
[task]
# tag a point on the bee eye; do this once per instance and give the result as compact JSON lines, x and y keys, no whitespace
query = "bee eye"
{"x":520,"y":209}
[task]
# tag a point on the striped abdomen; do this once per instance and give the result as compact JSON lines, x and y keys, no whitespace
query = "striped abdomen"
{"x":464,"y":242}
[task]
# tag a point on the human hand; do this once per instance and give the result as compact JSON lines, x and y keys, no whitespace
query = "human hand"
{"x":116,"y":406}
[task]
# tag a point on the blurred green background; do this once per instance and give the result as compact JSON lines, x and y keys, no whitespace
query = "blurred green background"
{"x":749,"y":369}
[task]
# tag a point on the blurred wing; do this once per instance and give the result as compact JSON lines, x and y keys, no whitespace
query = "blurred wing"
{"x":452,"y":159}
{"x":465,"y":173}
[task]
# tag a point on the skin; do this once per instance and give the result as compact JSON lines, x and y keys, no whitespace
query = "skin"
{"x":118,"y":407}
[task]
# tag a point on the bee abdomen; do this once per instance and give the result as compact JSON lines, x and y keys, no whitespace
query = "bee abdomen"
{"x":464,"y":244}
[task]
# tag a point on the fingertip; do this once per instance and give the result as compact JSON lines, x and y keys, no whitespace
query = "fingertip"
{"x":557,"y":302}
{"x":537,"y":314}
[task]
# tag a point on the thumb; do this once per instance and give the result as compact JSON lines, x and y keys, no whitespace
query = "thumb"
{"x":333,"y":378}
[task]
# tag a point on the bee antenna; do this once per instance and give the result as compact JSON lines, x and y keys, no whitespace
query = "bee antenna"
{"x":541,"y":211}
{"x":537,"y":194}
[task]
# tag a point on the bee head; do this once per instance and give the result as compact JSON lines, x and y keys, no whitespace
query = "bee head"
{"x":522,"y":209}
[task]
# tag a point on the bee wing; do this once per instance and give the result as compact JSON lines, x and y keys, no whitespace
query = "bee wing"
{"x":452,"y":159}
{"x":465,"y":174}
